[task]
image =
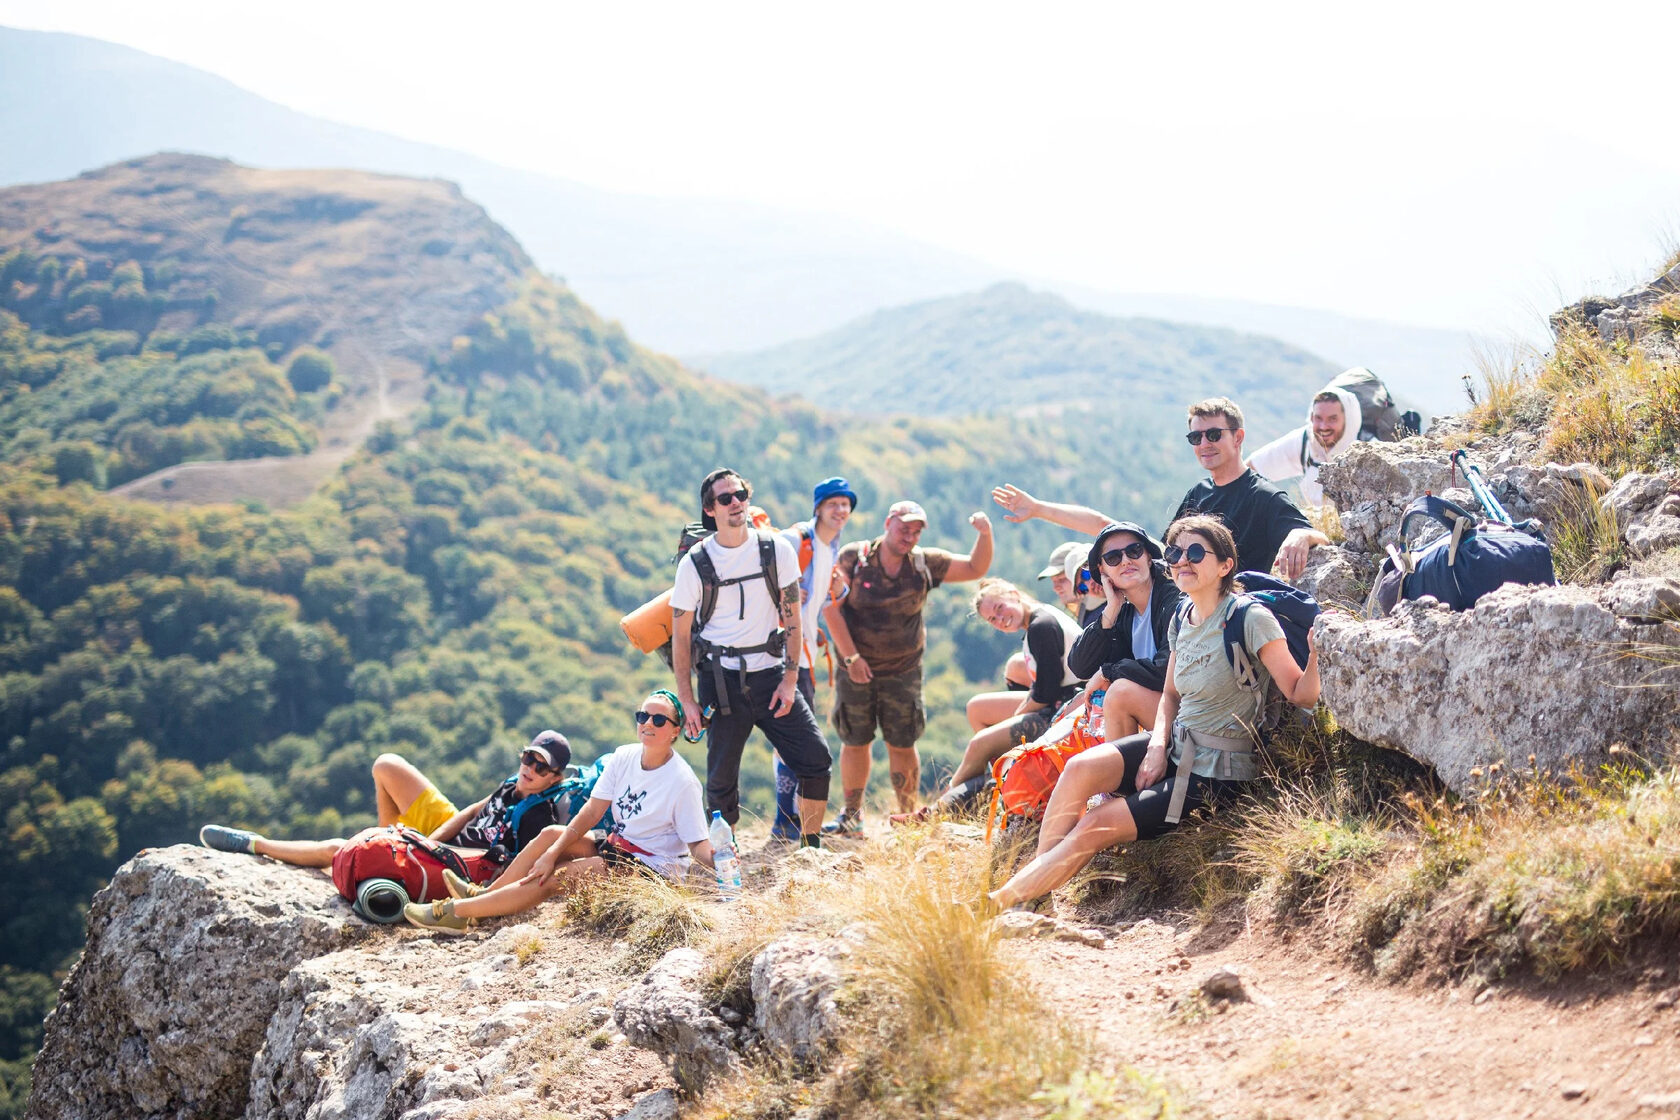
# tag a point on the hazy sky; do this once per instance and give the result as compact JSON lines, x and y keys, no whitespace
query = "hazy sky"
{"x":1446,"y":164}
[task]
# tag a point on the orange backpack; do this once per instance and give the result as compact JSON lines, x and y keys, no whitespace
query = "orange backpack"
{"x":1025,"y":777}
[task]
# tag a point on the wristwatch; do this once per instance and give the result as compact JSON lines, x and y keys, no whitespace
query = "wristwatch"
{"x":846,"y":662}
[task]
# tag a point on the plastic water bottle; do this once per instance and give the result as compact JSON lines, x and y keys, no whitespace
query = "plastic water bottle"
{"x":724,"y":859}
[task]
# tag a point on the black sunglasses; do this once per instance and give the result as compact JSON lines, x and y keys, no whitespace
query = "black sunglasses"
{"x":1195,"y":554}
{"x":1213,"y":435}
{"x":730,"y":497}
{"x":536,"y":762}
{"x":1133,"y":551}
{"x":660,"y":719}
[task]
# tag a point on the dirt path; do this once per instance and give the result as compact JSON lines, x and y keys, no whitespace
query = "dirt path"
{"x":1321,"y":1039}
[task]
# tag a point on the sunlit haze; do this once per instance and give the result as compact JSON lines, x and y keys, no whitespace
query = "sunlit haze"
{"x":1441,"y":165}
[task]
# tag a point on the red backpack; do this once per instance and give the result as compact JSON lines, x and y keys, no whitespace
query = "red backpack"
{"x":406,"y":857}
{"x":1027,"y":775}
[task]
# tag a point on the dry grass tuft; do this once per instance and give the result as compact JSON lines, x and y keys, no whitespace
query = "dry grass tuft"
{"x":1510,"y":396}
{"x":650,"y":912}
{"x":1613,"y":405}
{"x":1585,"y":537}
{"x":526,"y":949}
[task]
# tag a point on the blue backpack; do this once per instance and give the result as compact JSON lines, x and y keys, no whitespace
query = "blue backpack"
{"x":1295,"y":611}
{"x":1462,"y":565}
{"x":574,"y":791}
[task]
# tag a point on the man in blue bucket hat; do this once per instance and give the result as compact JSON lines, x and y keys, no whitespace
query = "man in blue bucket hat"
{"x":817,"y":543}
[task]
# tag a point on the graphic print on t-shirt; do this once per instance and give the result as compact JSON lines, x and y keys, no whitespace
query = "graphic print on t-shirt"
{"x":628,"y":806}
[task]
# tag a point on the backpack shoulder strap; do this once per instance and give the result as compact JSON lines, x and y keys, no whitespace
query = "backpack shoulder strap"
{"x":1306,"y":435}
{"x":919,"y":559}
{"x":707,"y":571}
{"x":1243,"y":664}
{"x":767,"y":565}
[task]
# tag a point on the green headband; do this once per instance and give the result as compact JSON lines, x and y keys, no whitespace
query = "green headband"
{"x":675,"y":703}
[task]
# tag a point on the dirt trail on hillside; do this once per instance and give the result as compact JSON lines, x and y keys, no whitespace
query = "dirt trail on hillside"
{"x":1319,"y":1038}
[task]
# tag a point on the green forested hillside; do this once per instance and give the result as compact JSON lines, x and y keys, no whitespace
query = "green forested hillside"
{"x":1011,"y":349}
{"x":454,"y":589}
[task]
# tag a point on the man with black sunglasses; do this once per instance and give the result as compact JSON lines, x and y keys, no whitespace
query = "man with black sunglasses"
{"x":735,"y":620}
{"x":1268,"y":527}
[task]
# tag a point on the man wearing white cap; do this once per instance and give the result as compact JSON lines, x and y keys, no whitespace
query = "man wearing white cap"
{"x":877,"y":629}
{"x":1066,"y":573}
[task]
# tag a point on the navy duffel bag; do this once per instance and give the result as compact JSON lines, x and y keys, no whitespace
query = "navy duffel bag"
{"x":1471,"y":560}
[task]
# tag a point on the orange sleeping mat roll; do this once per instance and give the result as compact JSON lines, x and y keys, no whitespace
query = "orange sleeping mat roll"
{"x":649,"y":626}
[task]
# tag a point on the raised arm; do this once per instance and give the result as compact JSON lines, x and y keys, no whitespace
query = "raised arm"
{"x":1022,"y":506}
{"x":979,"y":558}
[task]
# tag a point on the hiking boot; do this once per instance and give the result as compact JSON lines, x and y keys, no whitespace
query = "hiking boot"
{"x":439,"y":916}
{"x":224,"y":839}
{"x":847,"y":826}
{"x":459,"y":887}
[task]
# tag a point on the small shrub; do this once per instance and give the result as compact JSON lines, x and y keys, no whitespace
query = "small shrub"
{"x":649,"y":911}
{"x":310,"y":370}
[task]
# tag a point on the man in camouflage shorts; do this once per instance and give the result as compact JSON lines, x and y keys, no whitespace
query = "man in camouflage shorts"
{"x":878,"y":631}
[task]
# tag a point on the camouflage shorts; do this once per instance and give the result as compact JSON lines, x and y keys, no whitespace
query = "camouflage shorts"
{"x":891,"y":702}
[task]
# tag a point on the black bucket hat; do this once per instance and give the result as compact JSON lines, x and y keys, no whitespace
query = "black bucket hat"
{"x":1094,"y":558}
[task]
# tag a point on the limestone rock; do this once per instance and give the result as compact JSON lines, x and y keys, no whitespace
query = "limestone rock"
{"x":1223,"y":983}
{"x":668,"y":1014}
{"x":1025,"y":923}
{"x":659,"y":1105}
{"x":1545,"y":671}
{"x":1647,"y":509}
{"x":1337,"y":577}
{"x":794,"y":981}
{"x":186,"y":954}
{"x":1631,"y":316}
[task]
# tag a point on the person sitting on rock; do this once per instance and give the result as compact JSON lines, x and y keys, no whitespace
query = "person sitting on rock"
{"x":1267,"y":526}
{"x":1200,"y":751}
{"x":1123,"y":651}
{"x":405,"y":796}
{"x":1002,"y":720}
{"x":1333,"y":422}
{"x":660,"y":823}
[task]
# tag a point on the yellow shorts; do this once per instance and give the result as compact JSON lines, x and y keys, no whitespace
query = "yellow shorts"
{"x":429,"y":811}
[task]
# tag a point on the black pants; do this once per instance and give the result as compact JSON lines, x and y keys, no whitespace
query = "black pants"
{"x":795,"y":737}
{"x":1149,"y":806}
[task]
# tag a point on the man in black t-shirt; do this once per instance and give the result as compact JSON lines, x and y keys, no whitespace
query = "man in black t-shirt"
{"x":1267,"y":525}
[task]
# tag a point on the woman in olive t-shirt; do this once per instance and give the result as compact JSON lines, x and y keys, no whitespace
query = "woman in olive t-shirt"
{"x":1204,"y":710}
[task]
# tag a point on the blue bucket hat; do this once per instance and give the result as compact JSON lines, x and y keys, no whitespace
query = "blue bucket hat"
{"x":832,"y":487}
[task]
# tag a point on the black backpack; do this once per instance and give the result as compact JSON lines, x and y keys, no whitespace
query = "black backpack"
{"x":1379,"y":417}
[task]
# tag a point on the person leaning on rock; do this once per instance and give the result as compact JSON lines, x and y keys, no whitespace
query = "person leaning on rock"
{"x":407,"y":797}
{"x":1268,"y":527}
{"x":1332,"y":426}
{"x":877,"y":629}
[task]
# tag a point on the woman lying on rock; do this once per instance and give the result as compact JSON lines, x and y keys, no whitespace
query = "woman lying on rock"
{"x":660,"y":823}
{"x":1124,"y":649}
{"x":405,"y":796}
{"x":1200,"y":751}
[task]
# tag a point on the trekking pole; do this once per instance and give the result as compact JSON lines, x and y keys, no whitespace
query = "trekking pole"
{"x":1484,"y":495}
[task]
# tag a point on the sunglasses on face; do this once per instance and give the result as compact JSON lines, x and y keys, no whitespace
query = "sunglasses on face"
{"x":1195,"y":554}
{"x":536,"y":762}
{"x":730,"y":497}
{"x":659,"y":719}
{"x":1212,"y":435}
{"x":1133,"y":551}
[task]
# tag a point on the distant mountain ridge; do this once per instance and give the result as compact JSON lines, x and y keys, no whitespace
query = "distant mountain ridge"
{"x":1010,"y":349}
{"x":686,"y":275}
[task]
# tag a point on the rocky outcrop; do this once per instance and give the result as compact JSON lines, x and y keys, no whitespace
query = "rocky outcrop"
{"x":794,"y":982}
{"x":218,"y":985}
{"x":668,"y":1012}
{"x":1630,"y":317}
{"x":187,"y":953}
{"x":1647,"y":510}
{"x":1557,"y":673}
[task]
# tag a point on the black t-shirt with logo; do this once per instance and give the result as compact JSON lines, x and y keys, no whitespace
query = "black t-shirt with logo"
{"x":1258,"y":514}
{"x":490,"y":827}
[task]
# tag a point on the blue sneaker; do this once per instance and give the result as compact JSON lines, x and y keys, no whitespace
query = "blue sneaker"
{"x":225,"y":839}
{"x":847,"y":826}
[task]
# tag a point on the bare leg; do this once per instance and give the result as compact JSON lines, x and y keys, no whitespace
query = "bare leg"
{"x":985,"y":748}
{"x":1098,"y":770}
{"x":1015,"y":671}
{"x":854,"y":775}
{"x":545,"y":839}
{"x":906,"y":767}
{"x":1103,"y":827}
{"x":517,"y":896}
{"x":1128,"y":708}
{"x":811,"y":813}
{"x":301,"y":853}
{"x":396,"y":785}
{"x":987,"y":709}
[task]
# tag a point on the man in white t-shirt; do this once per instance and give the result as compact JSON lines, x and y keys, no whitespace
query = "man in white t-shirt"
{"x":735,"y":621}
{"x":817,"y":544}
{"x":658,"y":823}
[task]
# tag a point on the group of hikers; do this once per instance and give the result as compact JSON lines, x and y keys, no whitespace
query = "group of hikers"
{"x":1139,"y":625}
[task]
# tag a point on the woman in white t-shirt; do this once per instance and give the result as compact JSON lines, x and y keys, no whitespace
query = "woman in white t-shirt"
{"x":660,"y":823}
